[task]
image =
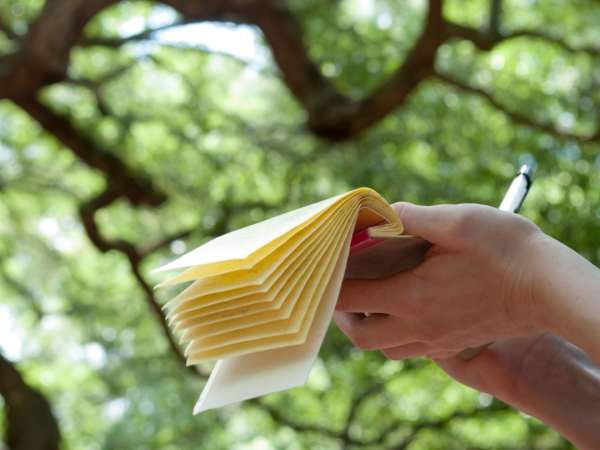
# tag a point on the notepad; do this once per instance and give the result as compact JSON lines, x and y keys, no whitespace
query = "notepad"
{"x":261,"y":298}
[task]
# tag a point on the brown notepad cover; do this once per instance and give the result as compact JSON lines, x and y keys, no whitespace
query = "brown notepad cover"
{"x":386,"y":257}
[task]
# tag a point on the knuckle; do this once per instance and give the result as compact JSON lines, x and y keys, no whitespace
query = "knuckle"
{"x":459,"y":226}
{"x":360,"y":339}
{"x":345,"y":296}
{"x":433,"y":334}
{"x":362,"y":342}
{"x":338,"y":318}
{"x":342,"y":304}
{"x":416,"y":309}
{"x":415,"y":300}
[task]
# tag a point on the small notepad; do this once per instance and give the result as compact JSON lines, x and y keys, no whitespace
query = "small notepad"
{"x":262,"y":297}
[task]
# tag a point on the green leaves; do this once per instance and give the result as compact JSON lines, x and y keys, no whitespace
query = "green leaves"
{"x":227,"y":144}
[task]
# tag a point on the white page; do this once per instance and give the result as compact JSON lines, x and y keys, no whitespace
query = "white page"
{"x":242,"y":243}
{"x":255,"y":374}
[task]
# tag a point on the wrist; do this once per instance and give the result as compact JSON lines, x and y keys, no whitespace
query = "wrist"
{"x":548,"y":285}
{"x":566,"y":294}
{"x":558,"y":384}
{"x":536,"y":305}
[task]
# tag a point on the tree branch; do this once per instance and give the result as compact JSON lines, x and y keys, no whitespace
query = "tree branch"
{"x":30,"y":422}
{"x":515,"y":117}
{"x":495,"y":14}
{"x":43,"y":57}
{"x":331,"y":115}
{"x":344,"y":436}
{"x":346,"y":439}
{"x":87,"y":212}
{"x":136,"y":188}
{"x":146,"y":34}
{"x":592,"y":51}
{"x":164,"y":242}
{"x":417,"y":67}
{"x":483,"y":41}
{"x":487,"y":41}
{"x":281,"y":419}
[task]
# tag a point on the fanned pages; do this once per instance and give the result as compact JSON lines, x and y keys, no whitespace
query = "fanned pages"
{"x":262,"y":297}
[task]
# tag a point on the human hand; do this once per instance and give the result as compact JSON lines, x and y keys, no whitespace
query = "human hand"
{"x":543,"y":376}
{"x":491,"y":276}
{"x":479,"y":283}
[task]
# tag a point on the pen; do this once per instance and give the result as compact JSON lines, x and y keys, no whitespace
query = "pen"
{"x":518,"y":190}
{"x":512,"y":202}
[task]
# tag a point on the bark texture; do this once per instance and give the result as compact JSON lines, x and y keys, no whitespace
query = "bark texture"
{"x":30,"y":423}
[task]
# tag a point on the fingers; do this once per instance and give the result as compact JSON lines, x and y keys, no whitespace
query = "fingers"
{"x":451,"y":226}
{"x":380,"y":332}
{"x":365,"y":296}
{"x":406,"y":351}
{"x":440,"y":354}
{"x":377,"y":331}
{"x":428,"y":222}
{"x":394,"y":295}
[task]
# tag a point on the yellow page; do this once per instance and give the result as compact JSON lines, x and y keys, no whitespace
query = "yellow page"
{"x":279,"y":245}
{"x":303,"y":288}
{"x":201,"y":293}
{"x":241,"y":278}
{"x":232,"y":287}
{"x":299,"y":323}
{"x":242,"y":243}
{"x":220,"y":267}
{"x":381,"y":207}
{"x":252,"y":375}
{"x":242,"y":348}
{"x":254,"y":303}
{"x":288,"y":320}
{"x":283,"y":330}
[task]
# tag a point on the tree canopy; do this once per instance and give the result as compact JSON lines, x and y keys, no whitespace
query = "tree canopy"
{"x":133,"y":131}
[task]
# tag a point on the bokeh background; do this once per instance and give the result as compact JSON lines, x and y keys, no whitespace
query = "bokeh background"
{"x":133,"y":131}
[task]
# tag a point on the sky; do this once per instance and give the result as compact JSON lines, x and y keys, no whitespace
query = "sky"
{"x":241,"y":41}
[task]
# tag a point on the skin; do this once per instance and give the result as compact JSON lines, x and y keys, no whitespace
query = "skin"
{"x":491,"y":276}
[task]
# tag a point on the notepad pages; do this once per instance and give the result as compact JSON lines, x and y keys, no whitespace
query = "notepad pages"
{"x":249,"y":376}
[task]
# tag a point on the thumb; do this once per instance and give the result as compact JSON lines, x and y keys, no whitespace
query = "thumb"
{"x":451,"y":226}
{"x":428,"y":222}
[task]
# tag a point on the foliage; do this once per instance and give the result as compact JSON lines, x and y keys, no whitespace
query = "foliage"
{"x":228,"y":145}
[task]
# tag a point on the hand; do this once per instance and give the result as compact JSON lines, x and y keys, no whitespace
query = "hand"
{"x":509,"y":369}
{"x":490,"y":276}
{"x":479,"y":283}
{"x":543,"y":376}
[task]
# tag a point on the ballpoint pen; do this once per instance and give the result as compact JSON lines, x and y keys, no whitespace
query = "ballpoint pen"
{"x":512,"y":202}
{"x":518,"y":190}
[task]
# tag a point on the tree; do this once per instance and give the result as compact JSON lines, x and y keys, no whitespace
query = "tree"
{"x":119,"y":149}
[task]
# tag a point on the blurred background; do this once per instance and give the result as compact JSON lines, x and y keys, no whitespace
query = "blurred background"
{"x":133,"y":131}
